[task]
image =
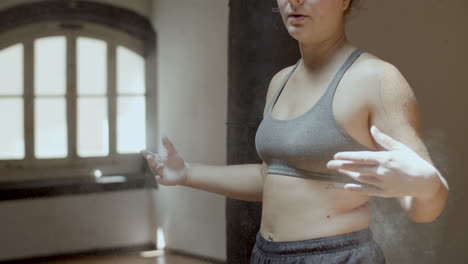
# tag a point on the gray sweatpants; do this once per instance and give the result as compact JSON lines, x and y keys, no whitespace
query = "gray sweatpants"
{"x":355,"y":247}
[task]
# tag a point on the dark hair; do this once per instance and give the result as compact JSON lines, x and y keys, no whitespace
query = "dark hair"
{"x":351,"y":7}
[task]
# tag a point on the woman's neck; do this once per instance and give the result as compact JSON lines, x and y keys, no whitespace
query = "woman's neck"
{"x":317,"y":57}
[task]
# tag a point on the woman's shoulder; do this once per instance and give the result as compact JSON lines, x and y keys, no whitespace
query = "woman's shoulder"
{"x":279,"y":76}
{"x":379,"y":79}
{"x":369,"y":67}
{"x":275,"y":84}
{"x":277,"y":79}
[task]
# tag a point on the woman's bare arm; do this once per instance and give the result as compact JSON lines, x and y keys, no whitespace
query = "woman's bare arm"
{"x":241,"y":182}
{"x":395,"y":110}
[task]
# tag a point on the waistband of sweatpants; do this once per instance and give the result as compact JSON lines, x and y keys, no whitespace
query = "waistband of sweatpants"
{"x":315,"y":245}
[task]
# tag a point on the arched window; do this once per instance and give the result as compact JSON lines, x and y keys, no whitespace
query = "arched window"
{"x":75,"y":100}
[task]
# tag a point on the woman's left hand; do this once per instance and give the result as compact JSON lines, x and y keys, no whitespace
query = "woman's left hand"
{"x":395,"y":172}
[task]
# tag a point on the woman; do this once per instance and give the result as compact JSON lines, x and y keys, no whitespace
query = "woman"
{"x":323,"y":156}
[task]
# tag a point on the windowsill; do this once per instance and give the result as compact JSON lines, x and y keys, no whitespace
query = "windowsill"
{"x":84,"y":185}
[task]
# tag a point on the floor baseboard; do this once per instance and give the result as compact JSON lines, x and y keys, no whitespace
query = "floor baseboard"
{"x":96,"y":252}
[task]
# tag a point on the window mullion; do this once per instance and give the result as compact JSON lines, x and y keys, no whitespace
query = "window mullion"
{"x":112,"y":98}
{"x":150,"y":95}
{"x":28,"y":100}
{"x":71,"y":97}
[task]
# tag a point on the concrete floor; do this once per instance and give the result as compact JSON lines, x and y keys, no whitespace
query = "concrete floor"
{"x":128,"y":258}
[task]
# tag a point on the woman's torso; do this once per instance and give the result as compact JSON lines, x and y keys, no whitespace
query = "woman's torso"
{"x":297,"y":208}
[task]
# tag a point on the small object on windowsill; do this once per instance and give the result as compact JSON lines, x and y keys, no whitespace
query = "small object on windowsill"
{"x":111,"y":179}
{"x":97,"y":173}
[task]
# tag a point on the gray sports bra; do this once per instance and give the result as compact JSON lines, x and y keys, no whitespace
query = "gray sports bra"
{"x":302,"y":146}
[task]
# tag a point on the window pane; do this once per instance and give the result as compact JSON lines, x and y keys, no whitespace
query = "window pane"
{"x":11,"y":70}
{"x":50,"y":128}
{"x":92,"y":66}
{"x":49,"y":65}
{"x":131,"y":133}
{"x":93,"y":131}
{"x":130,"y":72}
{"x":11,"y":133}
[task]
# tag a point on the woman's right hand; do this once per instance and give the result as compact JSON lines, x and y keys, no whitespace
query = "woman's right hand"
{"x":170,"y":169}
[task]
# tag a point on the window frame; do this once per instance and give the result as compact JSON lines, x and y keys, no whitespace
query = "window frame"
{"x":73,"y":166}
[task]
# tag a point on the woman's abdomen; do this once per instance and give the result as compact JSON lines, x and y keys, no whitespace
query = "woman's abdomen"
{"x":297,"y":209}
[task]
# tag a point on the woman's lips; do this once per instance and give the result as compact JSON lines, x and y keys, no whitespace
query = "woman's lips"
{"x":296,"y":18}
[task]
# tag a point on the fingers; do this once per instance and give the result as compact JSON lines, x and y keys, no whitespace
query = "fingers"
{"x":150,"y":155}
{"x":385,"y":140}
{"x":145,"y":153}
{"x":382,"y":139}
{"x":335,"y":185}
{"x":349,"y":159}
{"x":369,"y":179}
{"x":367,"y":189}
{"x":361,"y":171}
{"x":157,"y":171}
{"x":154,"y":162}
{"x":366,"y":156}
{"x":169,"y":146}
{"x":352,"y":165}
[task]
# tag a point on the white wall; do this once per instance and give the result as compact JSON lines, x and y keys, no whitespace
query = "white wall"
{"x":192,"y":104}
{"x":74,"y":223}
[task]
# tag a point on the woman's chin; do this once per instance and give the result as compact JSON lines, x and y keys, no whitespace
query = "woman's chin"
{"x":298,"y":35}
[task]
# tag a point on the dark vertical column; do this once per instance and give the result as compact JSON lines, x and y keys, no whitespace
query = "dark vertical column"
{"x":259,"y":46}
